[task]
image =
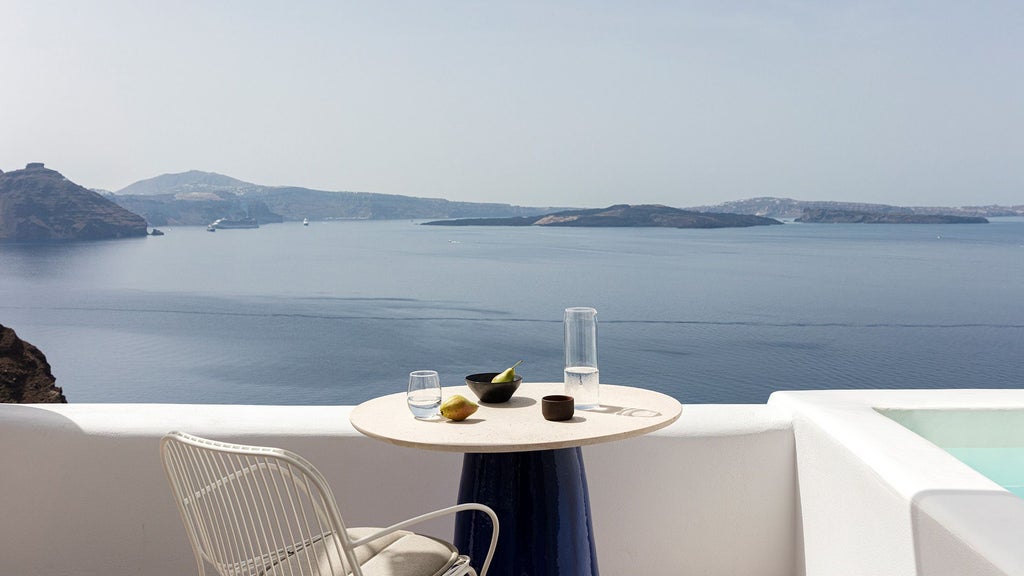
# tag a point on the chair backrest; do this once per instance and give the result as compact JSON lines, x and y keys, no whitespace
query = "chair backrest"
{"x":252,"y":510}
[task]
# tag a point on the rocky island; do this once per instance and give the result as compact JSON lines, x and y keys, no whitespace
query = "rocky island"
{"x":622,"y":216}
{"x":25,"y":376}
{"x":38,"y":204}
{"x":834,"y":216}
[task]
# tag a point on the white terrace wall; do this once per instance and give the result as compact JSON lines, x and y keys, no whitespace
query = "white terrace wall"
{"x":82,"y":491}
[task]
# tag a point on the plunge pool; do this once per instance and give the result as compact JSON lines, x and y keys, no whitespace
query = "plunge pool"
{"x":991,"y":441}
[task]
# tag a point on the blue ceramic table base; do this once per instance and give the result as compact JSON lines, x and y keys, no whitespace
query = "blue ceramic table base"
{"x":543,"y":506}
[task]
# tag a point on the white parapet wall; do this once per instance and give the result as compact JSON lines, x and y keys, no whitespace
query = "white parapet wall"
{"x":811,"y":484}
{"x":82,"y":490}
{"x":713,"y":494}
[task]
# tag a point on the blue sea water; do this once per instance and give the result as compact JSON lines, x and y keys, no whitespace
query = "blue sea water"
{"x":339,"y":312}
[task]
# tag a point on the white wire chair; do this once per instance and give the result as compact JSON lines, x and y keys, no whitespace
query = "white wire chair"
{"x":258,"y":511}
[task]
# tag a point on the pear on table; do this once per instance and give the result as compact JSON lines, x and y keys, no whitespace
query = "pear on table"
{"x":508,"y":375}
{"x":458,"y":408}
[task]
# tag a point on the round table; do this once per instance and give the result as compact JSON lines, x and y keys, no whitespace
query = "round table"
{"x":528,"y":469}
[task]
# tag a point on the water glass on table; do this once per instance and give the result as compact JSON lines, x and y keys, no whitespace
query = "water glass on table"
{"x":581,"y":373}
{"x":424,"y":395}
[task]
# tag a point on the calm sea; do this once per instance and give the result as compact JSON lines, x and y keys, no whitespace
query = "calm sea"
{"x":338,"y":312}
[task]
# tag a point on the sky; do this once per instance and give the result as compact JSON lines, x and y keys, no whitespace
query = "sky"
{"x":534,"y":103}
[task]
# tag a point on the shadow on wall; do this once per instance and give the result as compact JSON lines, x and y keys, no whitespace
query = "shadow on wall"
{"x":976,"y":532}
{"x":27,"y":419}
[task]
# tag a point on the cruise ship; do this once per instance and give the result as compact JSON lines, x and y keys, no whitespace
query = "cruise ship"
{"x":227,"y":224}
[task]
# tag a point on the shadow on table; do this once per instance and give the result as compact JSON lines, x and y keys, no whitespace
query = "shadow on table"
{"x":513,"y":402}
{"x":621,"y":411}
{"x":466,"y":422}
{"x":576,"y":419}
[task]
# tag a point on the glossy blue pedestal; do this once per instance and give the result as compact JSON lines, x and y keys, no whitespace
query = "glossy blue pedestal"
{"x":543,"y":506}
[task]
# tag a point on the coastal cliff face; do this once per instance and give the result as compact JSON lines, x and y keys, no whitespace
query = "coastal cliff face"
{"x":827,"y":216}
{"x":198,"y":198}
{"x":38,"y":204}
{"x":195,"y":209}
{"x":789,"y":208}
{"x":25,"y":376}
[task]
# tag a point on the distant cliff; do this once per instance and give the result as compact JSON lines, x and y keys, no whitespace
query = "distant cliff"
{"x":623,"y":216}
{"x":195,"y":208}
{"x":828,"y":216}
{"x":186,"y":182}
{"x":788,"y":208}
{"x":38,"y":204}
{"x":25,"y":376}
{"x":197,"y":198}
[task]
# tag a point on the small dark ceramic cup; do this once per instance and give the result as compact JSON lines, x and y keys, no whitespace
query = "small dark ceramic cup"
{"x":492,"y":392}
{"x":557,"y":407}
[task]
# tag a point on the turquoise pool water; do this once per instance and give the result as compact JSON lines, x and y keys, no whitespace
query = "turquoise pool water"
{"x":1003,"y":465}
{"x":989,"y":441}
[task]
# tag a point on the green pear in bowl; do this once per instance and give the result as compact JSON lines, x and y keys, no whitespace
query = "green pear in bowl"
{"x":508,"y":375}
{"x":495,"y":387}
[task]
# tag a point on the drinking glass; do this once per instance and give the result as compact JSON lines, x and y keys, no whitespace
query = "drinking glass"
{"x":424,"y":396}
{"x":581,"y":374}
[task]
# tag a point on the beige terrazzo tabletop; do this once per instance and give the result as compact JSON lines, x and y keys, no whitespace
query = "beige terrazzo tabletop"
{"x":517,"y":425}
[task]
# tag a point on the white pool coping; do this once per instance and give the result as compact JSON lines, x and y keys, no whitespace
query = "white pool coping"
{"x":983,"y":517}
{"x":911,"y":463}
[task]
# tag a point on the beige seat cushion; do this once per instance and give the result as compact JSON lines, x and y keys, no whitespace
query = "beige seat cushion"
{"x":398,"y":553}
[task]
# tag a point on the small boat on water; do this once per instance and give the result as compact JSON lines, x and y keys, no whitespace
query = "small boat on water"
{"x":305,"y":221}
{"x":227,"y":224}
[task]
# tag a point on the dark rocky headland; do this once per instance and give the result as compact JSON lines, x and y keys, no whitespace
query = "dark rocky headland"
{"x":25,"y":376}
{"x":622,"y":215}
{"x":833,"y":216}
{"x":38,"y":204}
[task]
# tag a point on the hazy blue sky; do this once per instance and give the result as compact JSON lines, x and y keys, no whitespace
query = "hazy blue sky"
{"x":536,"y":103}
